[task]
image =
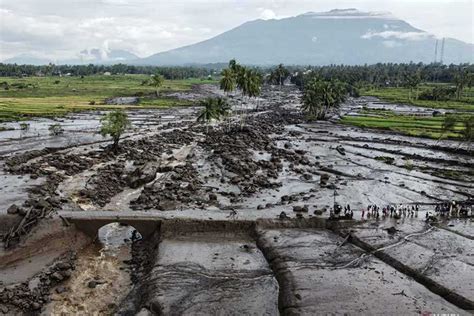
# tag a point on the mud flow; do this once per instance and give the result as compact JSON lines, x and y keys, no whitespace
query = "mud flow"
{"x":234,"y":217}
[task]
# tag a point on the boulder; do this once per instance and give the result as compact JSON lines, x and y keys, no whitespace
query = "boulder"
{"x":341,"y":150}
{"x":212,"y":197}
{"x":297,"y":208}
{"x":142,"y":175}
{"x":13,"y":209}
{"x":56,"y":276}
{"x":324,"y":179}
{"x":391,"y":230}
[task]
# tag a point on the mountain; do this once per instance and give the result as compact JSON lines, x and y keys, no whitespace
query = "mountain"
{"x":25,"y":59}
{"x":345,"y":36}
{"x":87,"y":56}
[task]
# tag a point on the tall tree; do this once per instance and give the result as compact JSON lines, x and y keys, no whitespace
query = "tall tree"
{"x":157,"y":81}
{"x":321,"y":97}
{"x":279,"y":75}
{"x":462,"y":79}
{"x":213,"y":109}
{"x":412,"y":81}
{"x":227,"y":82}
{"x":114,"y":123}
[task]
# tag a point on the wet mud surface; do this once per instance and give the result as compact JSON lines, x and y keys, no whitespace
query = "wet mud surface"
{"x":204,"y":274}
{"x":319,"y":274}
{"x":168,"y":166}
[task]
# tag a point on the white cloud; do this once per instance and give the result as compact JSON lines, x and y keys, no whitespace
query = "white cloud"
{"x":61,"y":29}
{"x":267,"y":14}
{"x":409,"y":36}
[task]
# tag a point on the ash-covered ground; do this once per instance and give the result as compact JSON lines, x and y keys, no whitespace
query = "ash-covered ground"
{"x":219,"y":192}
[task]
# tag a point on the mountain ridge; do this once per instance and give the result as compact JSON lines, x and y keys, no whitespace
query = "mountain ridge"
{"x":369,"y":37}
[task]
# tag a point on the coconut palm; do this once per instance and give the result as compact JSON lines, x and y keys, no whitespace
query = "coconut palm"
{"x":279,"y":75}
{"x":320,"y":97}
{"x":461,"y":80}
{"x":255,"y":85}
{"x":412,"y":81}
{"x":227,"y":82}
{"x":157,"y":81}
{"x":214,"y":109}
{"x":249,"y":83}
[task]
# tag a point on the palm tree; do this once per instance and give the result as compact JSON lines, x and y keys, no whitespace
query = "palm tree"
{"x":157,"y":81}
{"x":227,"y":82}
{"x":234,"y":66}
{"x":281,"y":73}
{"x":320,"y":97}
{"x":255,"y":85}
{"x":412,"y":81}
{"x":214,"y":109}
{"x":462,"y":79}
{"x":249,"y":82}
{"x":223,"y":110}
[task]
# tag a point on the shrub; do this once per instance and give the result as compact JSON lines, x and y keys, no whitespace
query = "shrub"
{"x":438,"y":94}
{"x":114,"y":123}
{"x":24,"y":126}
{"x":55,"y":129}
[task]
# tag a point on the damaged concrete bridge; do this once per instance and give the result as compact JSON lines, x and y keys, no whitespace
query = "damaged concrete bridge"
{"x":91,"y":221}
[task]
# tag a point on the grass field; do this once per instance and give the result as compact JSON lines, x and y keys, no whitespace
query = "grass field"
{"x":405,"y":124}
{"x":55,"y":96}
{"x":400,"y":95}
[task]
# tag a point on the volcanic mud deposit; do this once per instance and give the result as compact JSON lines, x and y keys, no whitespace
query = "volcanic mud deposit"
{"x":239,"y":215}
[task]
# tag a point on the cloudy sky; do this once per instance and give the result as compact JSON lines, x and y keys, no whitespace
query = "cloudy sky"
{"x":60,"y":29}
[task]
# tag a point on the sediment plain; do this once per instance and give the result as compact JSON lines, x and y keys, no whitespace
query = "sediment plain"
{"x":241,"y":211}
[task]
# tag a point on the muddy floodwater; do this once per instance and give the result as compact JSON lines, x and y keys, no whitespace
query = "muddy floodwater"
{"x":233,"y":218}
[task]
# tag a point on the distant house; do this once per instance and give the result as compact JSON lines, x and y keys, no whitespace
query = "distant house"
{"x":107,"y":73}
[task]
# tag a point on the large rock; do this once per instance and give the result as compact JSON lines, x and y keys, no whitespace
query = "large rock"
{"x":142,"y":175}
{"x":13,"y":209}
{"x":324,"y":179}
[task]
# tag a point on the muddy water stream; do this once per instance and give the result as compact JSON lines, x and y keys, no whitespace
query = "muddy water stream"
{"x":101,"y":279}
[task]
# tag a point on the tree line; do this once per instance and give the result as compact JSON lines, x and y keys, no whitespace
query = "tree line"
{"x":382,"y":74}
{"x":170,"y":73}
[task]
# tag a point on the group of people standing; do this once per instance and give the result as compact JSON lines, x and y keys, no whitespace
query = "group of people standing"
{"x":398,"y":211}
{"x":395,"y":211}
{"x":452,"y":209}
{"x":348,"y":213}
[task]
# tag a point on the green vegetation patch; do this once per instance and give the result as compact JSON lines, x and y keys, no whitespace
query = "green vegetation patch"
{"x":56,"y":96}
{"x":401,"y":95}
{"x":430,"y":127}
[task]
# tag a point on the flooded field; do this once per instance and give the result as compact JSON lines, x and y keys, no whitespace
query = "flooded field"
{"x":243,"y":212}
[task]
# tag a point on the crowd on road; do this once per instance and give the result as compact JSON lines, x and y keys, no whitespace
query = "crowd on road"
{"x":397,"y":211}
{"x":453,"y":209}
